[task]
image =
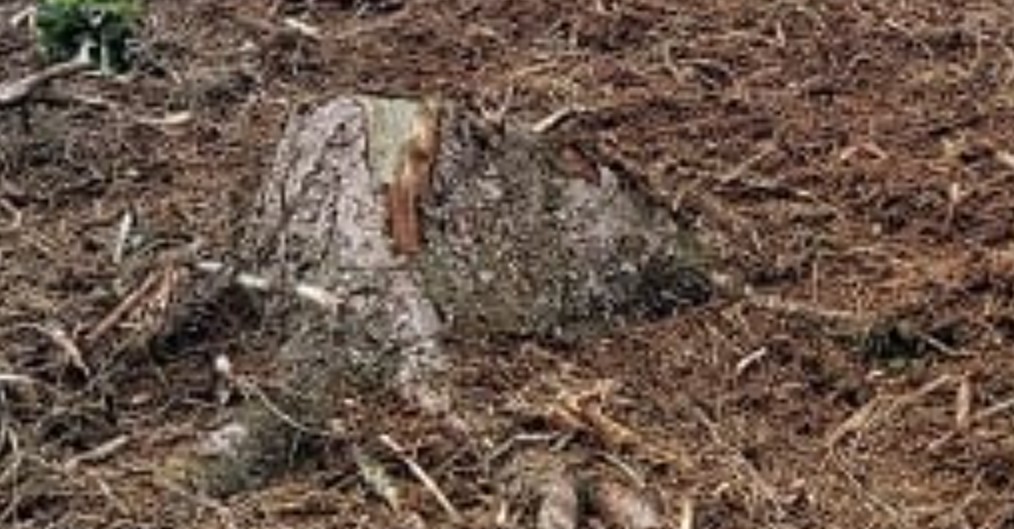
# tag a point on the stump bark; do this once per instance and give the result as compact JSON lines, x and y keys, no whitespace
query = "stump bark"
{"x":396,"y":222}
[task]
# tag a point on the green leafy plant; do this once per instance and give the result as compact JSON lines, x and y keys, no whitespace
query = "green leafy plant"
{"x":98,"y":30}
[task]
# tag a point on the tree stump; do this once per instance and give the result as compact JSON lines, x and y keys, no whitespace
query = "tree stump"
{"x":396,"y":222}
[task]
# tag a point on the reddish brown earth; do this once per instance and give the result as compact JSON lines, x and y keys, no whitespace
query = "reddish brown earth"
{"x":852,"y":162}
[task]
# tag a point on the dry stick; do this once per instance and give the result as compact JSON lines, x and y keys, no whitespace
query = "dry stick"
{"x":60,"y":338}
{"x":67,"y":345}
{"x":99,"y":453}
{"x":15,"y":379}
{"x":817,"y":312}
{"x":11,"y":473}
{"x":856,"y":422}
{"x":123,"y":230}
{"x":289,"y":27}
{"x":315,"y":294}
{"x":115,"y":501}
{"x":128,"y":304}
{"x":14,"y":214}
{"x":172,"y":119}
{"x":749,"y":360}
{"x":423,"y":478}
{"x":737,"y":172}
{"x":297,"y":28}
{"x":963,"y":404}
{"x":25,"y":14}
{"x":992,"y":411}
{"x":17,"y":92}
{"x":687,"y":513}
{"x":307,"y":30}
{"x":556,"y":118}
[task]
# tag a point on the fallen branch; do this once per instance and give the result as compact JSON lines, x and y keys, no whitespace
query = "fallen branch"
{"x":14,"y":93}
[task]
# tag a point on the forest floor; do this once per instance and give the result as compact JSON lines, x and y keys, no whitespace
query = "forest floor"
{"x":851,"y":163}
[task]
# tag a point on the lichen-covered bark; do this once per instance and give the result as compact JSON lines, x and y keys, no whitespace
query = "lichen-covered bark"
{"x":512,"y":246}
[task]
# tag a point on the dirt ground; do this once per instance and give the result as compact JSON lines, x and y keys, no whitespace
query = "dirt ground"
{"x":851,"y":164}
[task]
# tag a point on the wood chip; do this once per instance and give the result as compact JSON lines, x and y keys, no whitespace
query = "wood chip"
{"x":621,"y":506}
{"x":963,"y":404}
{"x":560,"y":504}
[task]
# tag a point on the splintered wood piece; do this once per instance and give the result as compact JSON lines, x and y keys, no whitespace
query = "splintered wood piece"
{"x":415,"y":158}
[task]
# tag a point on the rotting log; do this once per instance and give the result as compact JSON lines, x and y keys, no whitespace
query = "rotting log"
{"x":397,"y":222}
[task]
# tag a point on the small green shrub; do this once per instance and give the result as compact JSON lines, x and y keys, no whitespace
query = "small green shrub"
{"x":99,"y":29}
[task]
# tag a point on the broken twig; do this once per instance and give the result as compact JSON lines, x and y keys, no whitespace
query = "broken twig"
{"x":128,"y":304}
{"x":14,"y":93}
{"x":554,"y":119}
{"x":71,"y":352}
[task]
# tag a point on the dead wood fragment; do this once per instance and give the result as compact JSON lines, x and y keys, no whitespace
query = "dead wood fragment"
{"x":14,"y":217}
{"x":290,"y":27}
{"x":556,"y":118}
{"x":103,"y":451}
{"x":25,"y":15}
{"x":687,"y":513}
{"x":855,"y":422}
{"x":583,"y":411}
{"x":411,"y":180}
{"x":1006,"y":158}
{"x":16,"y":92}
{"x":560,"y":503}
{"x":963,"y":404}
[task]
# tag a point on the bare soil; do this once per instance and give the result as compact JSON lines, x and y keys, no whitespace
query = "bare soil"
{"x":850,"y":163}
